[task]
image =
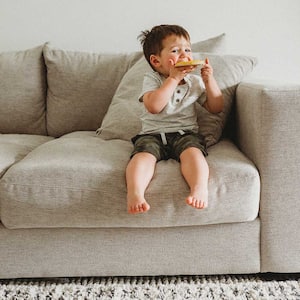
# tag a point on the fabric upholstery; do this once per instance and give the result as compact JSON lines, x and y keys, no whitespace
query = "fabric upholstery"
{"x":23,"y":92}
{"x":14,"y":147}
{"x":79,"y":181}
{"x":81,"y":86}
{"x":268,"y":133}
{"x":63,"y":200}
{"x":65,"y":252}
{"x":216,"y":44}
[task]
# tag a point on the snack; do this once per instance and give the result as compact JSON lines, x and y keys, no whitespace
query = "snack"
{"x":194,"y":62}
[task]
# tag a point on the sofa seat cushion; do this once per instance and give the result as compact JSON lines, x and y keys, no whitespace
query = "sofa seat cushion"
{"x":13,"y":147}
{"x":78,"y":180}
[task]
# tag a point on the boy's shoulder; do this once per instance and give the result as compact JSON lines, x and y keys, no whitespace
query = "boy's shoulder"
{"x":153,"y":76}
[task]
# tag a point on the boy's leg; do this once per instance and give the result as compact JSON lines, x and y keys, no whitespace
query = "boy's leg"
{"x":195,"y":170}
{"x":139,"y":172}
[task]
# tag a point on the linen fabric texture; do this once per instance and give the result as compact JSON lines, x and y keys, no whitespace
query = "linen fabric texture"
{"x":23,"y":92}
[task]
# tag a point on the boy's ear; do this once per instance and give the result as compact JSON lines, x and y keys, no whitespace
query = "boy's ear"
{"x":154,"y":60}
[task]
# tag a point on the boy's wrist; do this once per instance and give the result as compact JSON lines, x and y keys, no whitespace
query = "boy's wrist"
{"x":174,"y":79}
{"x":208,"y":79}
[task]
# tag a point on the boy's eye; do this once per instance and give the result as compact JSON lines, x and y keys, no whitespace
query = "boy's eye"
{"x":187,"y":50}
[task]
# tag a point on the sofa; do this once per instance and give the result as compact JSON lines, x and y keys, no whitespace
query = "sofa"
{"x":66,"y":122}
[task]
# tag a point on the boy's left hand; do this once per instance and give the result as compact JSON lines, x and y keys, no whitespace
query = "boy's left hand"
{"x":206,"y":71}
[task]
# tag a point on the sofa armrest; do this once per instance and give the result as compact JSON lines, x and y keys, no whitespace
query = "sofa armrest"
{"x":268,"y":121}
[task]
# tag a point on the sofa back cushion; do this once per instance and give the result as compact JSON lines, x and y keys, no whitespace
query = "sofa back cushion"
{"x":23,"y":92}
{"x":81,"y":86}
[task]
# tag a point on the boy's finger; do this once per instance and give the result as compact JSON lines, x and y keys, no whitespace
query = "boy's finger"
{"x":206,"y":61}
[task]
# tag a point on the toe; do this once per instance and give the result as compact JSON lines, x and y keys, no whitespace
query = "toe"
{"x":145,"y":207}
{"x":189,"y":200}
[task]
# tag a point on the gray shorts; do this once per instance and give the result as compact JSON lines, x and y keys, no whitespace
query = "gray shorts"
{"x":169,"y":145}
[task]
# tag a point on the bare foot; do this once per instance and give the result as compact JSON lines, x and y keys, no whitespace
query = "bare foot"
{"x":198,"y":199}
{"x":137,"y":205}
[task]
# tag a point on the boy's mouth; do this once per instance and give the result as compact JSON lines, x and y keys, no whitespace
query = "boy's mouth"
{"x":195,"y":62}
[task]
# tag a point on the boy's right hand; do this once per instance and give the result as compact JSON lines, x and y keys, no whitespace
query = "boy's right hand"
{"x":178,"y":73}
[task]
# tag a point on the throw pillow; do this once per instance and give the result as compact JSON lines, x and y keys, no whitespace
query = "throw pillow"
{"x":23,"y":92}
{"x":216,"y":44}
{"x":229,"y":70}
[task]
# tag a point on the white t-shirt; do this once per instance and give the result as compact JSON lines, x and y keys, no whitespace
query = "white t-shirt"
{"x":180,"y":111}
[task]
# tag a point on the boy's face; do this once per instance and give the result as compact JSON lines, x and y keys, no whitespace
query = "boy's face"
{"x":175,"y":49}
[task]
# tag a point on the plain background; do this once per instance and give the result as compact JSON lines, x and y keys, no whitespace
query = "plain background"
{"x":268,"y":30}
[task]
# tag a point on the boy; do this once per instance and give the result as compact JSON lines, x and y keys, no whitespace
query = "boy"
{"x":169,"y":121}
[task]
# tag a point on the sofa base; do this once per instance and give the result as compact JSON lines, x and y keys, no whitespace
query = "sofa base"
{"x":80,"y":252}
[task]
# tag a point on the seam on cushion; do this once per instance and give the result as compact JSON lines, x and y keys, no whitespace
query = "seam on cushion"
{"x":51,"y":187}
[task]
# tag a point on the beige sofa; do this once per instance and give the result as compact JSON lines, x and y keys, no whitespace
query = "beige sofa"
{"x":66,"y":119}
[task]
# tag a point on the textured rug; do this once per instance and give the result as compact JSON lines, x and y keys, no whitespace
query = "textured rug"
{"x":248,"y":287}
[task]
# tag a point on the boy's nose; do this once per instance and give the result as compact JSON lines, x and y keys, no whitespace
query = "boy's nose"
{"x":183,"y":53}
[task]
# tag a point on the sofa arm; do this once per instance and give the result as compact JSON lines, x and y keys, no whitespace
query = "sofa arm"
{"x":268,"y":121}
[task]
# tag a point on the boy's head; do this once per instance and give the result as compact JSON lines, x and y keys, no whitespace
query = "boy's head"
{"x":153,"y":40}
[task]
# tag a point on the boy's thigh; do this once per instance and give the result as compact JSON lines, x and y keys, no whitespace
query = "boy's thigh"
{"x":188,"y":140}
{"x":149,"y":143}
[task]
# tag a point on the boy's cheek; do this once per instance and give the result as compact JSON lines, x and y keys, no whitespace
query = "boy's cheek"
{"x":172,"y":62}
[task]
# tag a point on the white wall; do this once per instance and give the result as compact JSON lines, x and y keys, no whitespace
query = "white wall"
{"x":269,"y":29}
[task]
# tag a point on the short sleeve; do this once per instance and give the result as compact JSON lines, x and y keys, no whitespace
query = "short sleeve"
{"x":152,"y":81}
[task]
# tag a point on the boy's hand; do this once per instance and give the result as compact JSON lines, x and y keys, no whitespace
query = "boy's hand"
{"x":206,"y":71}
{"x":178,"y":73}
{"x":214,"y":98}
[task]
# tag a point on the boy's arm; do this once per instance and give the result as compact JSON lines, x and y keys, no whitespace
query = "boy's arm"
{"x":214,"y":97}
{"x":155,"y":101}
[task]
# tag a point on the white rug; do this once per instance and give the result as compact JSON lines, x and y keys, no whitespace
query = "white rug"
{"x":250,"y":287}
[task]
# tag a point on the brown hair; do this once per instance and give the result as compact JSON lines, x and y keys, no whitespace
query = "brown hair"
{"x":152,"y":40}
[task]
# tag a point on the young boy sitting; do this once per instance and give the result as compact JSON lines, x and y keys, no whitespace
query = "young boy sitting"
{"x":169,"y":121}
